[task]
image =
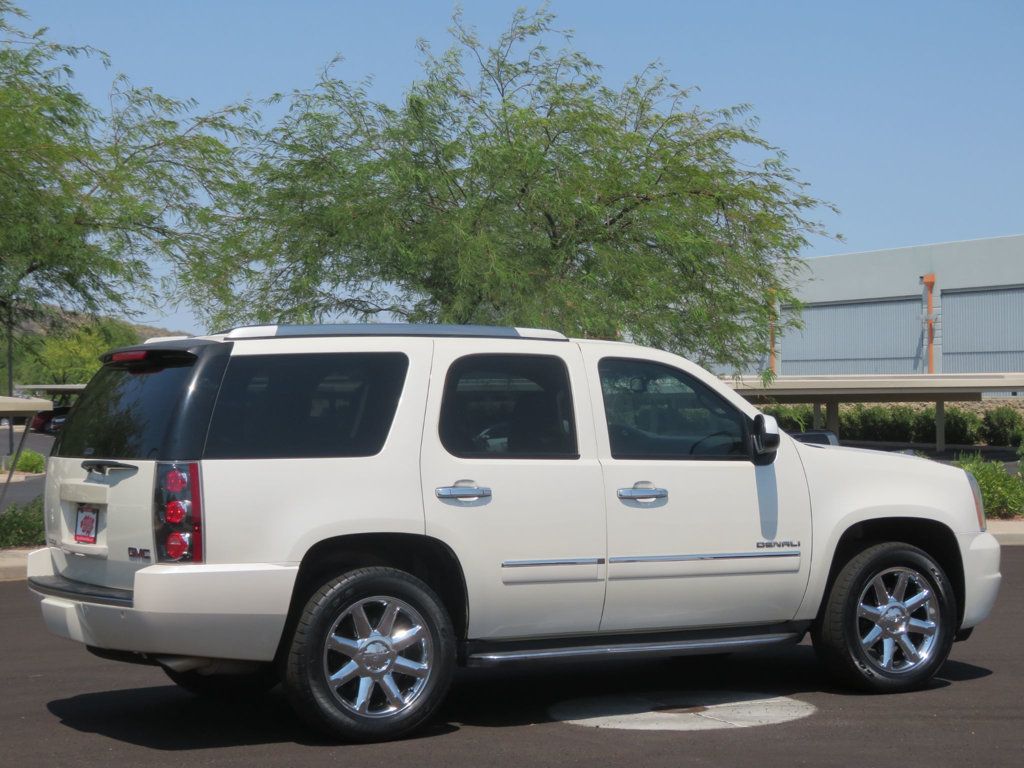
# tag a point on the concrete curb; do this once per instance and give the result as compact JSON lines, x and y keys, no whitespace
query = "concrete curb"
{"x":14,"y":562}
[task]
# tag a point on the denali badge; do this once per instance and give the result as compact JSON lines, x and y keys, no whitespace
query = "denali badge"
{"x":137,"y":553}
{"x":778,"y":545}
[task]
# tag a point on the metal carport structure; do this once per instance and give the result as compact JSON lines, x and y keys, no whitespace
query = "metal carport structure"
{"x":830,"y":391}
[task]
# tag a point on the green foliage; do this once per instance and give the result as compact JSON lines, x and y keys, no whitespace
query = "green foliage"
{"x":71,"y":356}
{"x":883,"y":423}
{"x":88,"y":199}
{"x":31,"y":461}
{"x":792,"y":418}
{"x":21,"y":525}
{"x":1002,"y":492}
{"x":1003,"y":425}
{"x":902,"y":424}
{"x":513,"y":185}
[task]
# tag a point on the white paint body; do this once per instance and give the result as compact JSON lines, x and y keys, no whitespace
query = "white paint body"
{"x":594,"y":563}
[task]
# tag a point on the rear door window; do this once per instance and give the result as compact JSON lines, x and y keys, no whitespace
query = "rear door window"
{"x":306,"y":406}
{"x":508,"y":406}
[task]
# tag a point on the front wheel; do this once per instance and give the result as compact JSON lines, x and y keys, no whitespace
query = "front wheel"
{"x":889,"y":620}
{"x":372,"y":656}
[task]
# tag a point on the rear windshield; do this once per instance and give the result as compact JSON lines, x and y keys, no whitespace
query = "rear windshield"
{"x":306,"y":405}
{"x":125,"y":412}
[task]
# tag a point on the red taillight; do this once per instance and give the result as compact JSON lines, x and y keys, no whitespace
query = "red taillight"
{"x":177,"y":545}
{"x":128,"y":357}
{"x":175,"y":512}
{"x":175,"y":481}
{"x":178,"y":513}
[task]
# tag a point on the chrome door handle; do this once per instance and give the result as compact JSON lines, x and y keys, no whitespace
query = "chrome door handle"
{"x":462,"y":492}
{"x":641,"y":494}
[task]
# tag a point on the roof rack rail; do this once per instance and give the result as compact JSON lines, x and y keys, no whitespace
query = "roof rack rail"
{"x":390,"y":329}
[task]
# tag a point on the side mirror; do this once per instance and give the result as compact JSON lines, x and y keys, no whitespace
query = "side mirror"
{"x":765,"y":438}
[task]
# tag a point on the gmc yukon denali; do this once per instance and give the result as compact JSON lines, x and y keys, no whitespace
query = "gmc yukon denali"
{"x":353,"y":511}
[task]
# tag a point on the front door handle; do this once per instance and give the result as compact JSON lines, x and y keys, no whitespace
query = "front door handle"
{"x":462,"y":492}
{"x":642,"y":491}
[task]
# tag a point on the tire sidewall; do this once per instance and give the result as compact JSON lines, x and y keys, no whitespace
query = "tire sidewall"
{"x":324,"y":608}
{"x":881,"y":560}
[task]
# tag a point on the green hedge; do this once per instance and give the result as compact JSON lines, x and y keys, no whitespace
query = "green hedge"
{"x":1003,"y":426}
{"x":1002,"y":492}
{"x":21,"y":525}
{"x":792,"y":418}
{"x":30,"y":461}
{"x":902,"y":424}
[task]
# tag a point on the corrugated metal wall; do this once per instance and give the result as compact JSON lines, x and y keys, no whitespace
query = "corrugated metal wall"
{"x":857,"y":337}
{"x":983,"y":331}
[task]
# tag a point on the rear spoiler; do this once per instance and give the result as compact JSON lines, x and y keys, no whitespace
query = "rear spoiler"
{"x":171,"y":348}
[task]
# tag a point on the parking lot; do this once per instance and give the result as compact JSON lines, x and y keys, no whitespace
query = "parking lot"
{"x":62,"y":706}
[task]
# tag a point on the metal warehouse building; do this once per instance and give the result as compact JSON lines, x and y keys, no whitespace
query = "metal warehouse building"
{"x":944,"y":308}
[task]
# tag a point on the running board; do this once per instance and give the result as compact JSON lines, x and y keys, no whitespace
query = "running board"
{"x":636,"y":649}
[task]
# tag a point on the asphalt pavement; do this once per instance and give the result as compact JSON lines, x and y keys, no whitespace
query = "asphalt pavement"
{"x":62,"y":707}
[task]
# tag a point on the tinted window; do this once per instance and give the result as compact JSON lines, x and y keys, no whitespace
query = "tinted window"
{"x":655,"y":411}
{"x":306,"y":406}
{"x":126,"y":411}
{"x":508,"y":406}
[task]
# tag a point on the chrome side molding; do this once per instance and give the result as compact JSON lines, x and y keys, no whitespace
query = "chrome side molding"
{"x":708,"y":556}
{"x":556,"y":561}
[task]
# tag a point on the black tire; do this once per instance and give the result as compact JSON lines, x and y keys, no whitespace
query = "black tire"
{"x":226,"y":687}
{"x":331,"y":610}
{"x":841,"y":630}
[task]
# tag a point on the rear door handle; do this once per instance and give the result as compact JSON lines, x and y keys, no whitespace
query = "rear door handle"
{"x":462,"y":492}
{"x":641,"y":494}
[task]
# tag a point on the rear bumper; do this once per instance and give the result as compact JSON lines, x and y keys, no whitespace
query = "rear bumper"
{"x":980,"y":553}
{"x":213,"y":611}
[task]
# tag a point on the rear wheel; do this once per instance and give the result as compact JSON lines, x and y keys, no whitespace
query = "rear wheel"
{"x":372,"y":656}
{"x":889,"y":620}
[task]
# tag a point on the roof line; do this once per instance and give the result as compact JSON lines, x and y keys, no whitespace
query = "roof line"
{"x":911,"y":247}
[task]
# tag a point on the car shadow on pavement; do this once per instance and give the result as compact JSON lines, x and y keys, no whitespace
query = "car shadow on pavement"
{"x":166,"y":718}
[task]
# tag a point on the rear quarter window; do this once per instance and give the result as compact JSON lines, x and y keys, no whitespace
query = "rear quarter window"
{"x":306,"y":406}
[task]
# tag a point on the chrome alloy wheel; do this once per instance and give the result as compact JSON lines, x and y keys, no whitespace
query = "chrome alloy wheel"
{"x":378,"y":657}
{"x":898,"y":620}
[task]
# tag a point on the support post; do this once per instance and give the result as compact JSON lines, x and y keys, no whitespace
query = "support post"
{"x":940,"y":426}
{"x":817,"y":416}
{"x":14,"y":460}
{"x":832,"y":416}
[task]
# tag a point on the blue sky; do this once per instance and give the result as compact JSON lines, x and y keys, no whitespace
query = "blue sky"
{"x":908,"y":115}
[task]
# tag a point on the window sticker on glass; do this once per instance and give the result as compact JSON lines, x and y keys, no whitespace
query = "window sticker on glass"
{"x":88,"y":522}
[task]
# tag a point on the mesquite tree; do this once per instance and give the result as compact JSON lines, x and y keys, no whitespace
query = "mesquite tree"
{"x":513,"y":185}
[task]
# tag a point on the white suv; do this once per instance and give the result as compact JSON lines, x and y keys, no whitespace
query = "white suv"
{"x":355,"y":510}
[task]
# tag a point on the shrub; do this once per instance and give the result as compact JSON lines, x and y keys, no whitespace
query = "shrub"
{"x":962,"y":427}
{"x":22,"y":525}
{"x":1002,"y":492}
{"x":792,"y":418}
{"x":1003,"y":426}
{"x":30,"y":461}
{"x":877,"y":422}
